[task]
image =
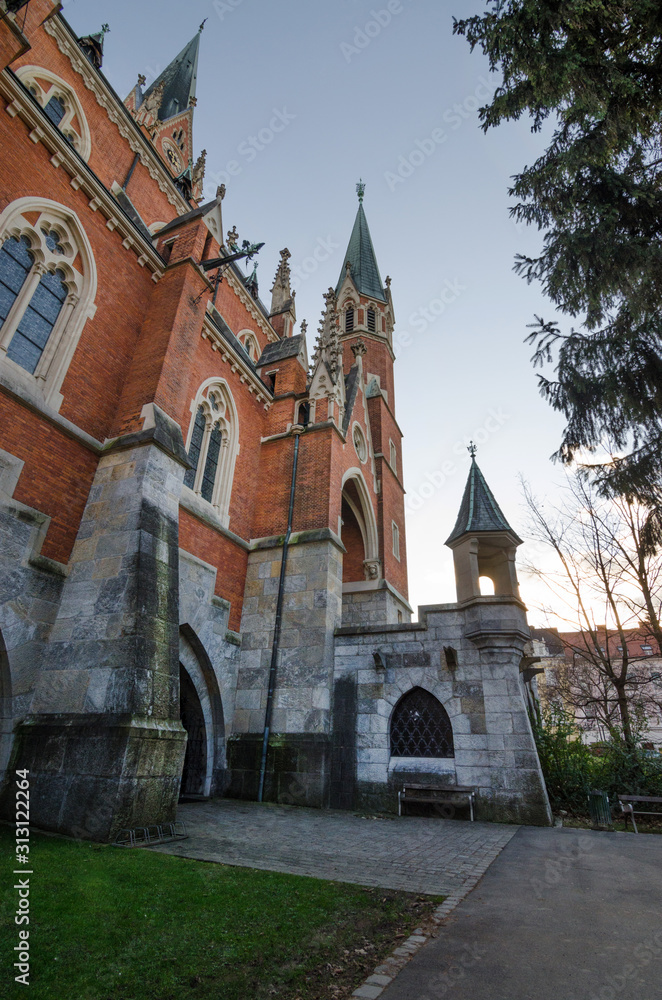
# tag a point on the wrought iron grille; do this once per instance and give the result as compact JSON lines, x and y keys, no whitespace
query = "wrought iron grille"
{"x":420,"y":727}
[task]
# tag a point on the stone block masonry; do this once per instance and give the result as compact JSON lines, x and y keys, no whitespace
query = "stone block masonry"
{"x":301,"y":722}
{"x":104,"y":723}
{"x":494,"y":750}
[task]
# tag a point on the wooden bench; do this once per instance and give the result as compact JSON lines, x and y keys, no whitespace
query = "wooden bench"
{"x":436,"y":795}
{"x":626,"y":802}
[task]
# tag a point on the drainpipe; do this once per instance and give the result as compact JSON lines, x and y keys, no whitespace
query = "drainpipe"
{"x":130,"y":173}
{"x":273,"y":668}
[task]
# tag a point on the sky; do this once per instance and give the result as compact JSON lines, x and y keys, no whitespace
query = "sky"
{"x":297,"y":101}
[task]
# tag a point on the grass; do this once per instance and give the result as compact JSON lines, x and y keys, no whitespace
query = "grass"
{"x":118,"y":924}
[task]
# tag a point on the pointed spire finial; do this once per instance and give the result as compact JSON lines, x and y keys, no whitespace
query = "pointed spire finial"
{"x":472,"y":449}
{"x":360,"y":190}
{"x":202,"y":26}
{"x":304,"y":327}
{"x":105,"y":28}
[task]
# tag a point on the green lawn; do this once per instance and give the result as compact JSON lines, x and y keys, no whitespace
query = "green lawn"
{"x":116,"y":924}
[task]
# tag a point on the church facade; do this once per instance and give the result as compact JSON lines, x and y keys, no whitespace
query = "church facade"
{"x":203,"y":572}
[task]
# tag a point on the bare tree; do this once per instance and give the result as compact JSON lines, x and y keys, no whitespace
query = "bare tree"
{"x":608,"y":589}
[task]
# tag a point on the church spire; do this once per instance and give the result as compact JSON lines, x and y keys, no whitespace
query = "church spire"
{"x":361,"y":258}
{"x":176,"y":84}
{"x":482,"y":541}
{"x":479,"y":511}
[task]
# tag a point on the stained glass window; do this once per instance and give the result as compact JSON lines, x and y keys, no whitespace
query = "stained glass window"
{"x":420,"y":727}
{"x":55,"y":110}
{"x":195,"y":446}
{"x":28,"y":343}
{"x":211,"y":465}
{"x":15,"y":264}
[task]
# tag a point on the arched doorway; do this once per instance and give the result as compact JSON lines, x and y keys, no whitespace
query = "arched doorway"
{"x":201,"y":712}
{"x":193,"y":721}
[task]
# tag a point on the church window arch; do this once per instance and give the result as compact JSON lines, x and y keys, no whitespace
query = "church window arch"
{"x":249,"y":342}
{"x":213,"y":445}
{"x":371,"y":320}
{"x":47,"y":290}
{"x":61,"y":105}
{"x":420,"y":727}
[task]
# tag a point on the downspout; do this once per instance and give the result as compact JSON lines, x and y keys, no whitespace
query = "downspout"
{"x":273,"y":668}
{"x":130,"y":173}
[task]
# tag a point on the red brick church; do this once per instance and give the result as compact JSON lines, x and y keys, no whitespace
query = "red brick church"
{"x":196,"y":520}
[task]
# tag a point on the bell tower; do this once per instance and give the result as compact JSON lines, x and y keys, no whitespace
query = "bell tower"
{"x":483,"y":543}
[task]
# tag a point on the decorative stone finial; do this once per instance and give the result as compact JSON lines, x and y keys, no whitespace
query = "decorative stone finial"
{"x":193,"y":102}
{"x":220,"y":192}
{"x":198,"y":174}
{"x":142,"y":80}
{"x":360,"y":190}
{"x":472,"y":449}
{"x":304,"y":327}
{"x":233,"y":239}
{"x":359,"y":350}
{"x":388,"y":281}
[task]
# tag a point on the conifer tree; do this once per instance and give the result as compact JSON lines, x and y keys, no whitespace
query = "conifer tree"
{"x":594,"y":67}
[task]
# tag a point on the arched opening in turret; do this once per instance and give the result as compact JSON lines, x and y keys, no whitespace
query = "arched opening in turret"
{"x":358,"y":531}
{"x":352,"y":536}
{"x":486,"y":584}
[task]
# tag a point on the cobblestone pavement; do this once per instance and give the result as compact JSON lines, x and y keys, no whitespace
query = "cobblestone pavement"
{"x":417,"y":854}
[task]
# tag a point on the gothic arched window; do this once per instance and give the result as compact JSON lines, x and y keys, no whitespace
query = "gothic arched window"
{"x":420,"y":727}
{"x":213,"y":444}
{"x":61,"y":105}
{"x":371,"y":320}
{"x":47,"y":288}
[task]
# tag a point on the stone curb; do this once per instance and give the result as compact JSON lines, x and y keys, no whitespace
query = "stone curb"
{"x":385,"y":973}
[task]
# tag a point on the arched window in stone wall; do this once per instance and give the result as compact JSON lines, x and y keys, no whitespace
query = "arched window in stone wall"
{"x":420,"y":727}
{"x":47,"y":289}
{"x":61,"y":105}
{"x":213,"y":445}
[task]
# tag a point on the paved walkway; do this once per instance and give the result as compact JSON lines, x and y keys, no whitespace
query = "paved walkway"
{"x":434,"y":856}
{"x":568,"y":914}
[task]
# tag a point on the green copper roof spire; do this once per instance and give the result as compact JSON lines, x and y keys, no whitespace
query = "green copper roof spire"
{"x":179,"y":79}
{"x":479,"y":511}
{"x":361,"y":256}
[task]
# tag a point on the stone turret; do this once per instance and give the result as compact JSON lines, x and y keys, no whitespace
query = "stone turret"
{"x":483,"y":543}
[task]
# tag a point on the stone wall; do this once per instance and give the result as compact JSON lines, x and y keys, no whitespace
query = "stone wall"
{"x":493,"y":742}
{"x":302,"y":706}
{"x":103,"y":740}
{"x":373,"y":603}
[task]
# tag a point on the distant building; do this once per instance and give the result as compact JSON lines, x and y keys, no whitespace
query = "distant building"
{"x":568,"y":677}
{"x":203,"y":545}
